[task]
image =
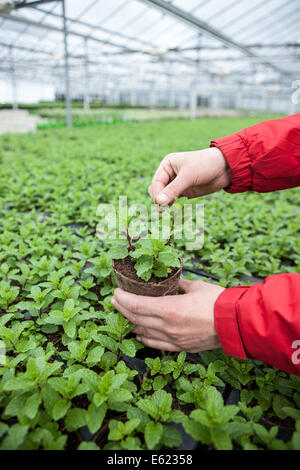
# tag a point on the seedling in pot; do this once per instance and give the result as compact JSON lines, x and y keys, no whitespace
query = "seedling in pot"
{"x":147,"y":266}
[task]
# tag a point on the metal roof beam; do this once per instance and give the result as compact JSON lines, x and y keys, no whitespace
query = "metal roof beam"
{"x":89,"y":25}
{"x":18,"y":6}
{"x":196,"y":23}
{"x":204,"y":27}
{"x":56,"y":29}
{"x":50,"y":27}
{"x":224,"y":48}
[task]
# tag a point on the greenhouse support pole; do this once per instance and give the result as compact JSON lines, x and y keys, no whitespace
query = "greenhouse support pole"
{"x":194,"y":88}
{"x":133,"y":97}
{"x":170,"y":81}
{"x":193,"y":101}
{"x":67,"y":72}
{"x":153,"y":96}
{"x":13,"y":82}
{"x":86,"y":77}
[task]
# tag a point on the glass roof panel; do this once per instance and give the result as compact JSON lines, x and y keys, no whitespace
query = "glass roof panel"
{"x":115,"y":25}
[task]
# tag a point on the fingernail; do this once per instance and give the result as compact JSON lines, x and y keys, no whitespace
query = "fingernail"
{"x":162,"y":198}
{"x":113,"y":301}
{"x":138,"y":338}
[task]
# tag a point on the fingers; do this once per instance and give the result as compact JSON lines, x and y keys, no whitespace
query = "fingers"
{"x":151,"y":333}
{"x":164,"y":174}
{"x":157,"y":344}
{"x":137,"y":319}
{"x":160,"y":181}
{"x":174,"y":189}
{"x":144,"y":306}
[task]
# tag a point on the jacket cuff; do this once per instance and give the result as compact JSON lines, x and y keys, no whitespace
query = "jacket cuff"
{"x":226,"y":322}
{"x":234,"y":149}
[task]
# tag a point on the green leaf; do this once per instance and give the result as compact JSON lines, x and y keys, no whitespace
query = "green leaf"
{"x":171,"y":437}
{"x":292,"y":412}
{"x":279,"y":402}
{"x":70,"y":328}
{"x":169,"y":258}
{"x":119,"y":396}
{"x":149,"y":407}
{"x":76,"y":418}
{"x":197,"y":431}
{"x":95,"y":355}
{"x":60,"y":409}
{"x":118,"y":380}
{"x":32,"y":405}
{"x":130,"y":426}
{"x":153,"y":434}
{"x":95,"y":417}
{"x":143,"y":267}
{"x":118,"y":252}
{"x":15,"y":405}
{"x":3,"y":429}
{"x":128,"y":347}
{"x":88,"y":446}
{"x":221,"y":439}
{"x":159,"y":382}
{"x":14,"y":438}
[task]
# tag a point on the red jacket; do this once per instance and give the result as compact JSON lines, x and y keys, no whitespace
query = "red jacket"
{"x":263,"y":321}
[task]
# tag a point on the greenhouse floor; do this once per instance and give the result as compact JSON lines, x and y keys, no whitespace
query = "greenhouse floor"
{"x":19,"y":121}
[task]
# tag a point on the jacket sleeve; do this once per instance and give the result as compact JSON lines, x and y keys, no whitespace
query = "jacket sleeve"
{"x":263,"y":321}
{"x":264,"y":157}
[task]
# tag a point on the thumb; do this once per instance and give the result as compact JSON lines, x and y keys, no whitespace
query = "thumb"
{"x":186,"y":287}
{"x":173,"y":190}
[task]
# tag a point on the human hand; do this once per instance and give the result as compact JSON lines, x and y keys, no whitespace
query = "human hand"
{"x":174,"y":323}
{"x":190,"y":174}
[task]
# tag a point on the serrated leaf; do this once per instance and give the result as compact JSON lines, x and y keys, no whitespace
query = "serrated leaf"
{"x":94,"y":355}
{"x":159,"y":382}
{"x":128,"y":347}
{"x":171,"y":437}
{"x":221,"y":439}
{"x":95,"y":417}
{"x":60,"y":409}
{"x":279,"y":402}
{"x":169,"y":258}
{"x":143,"y":267}
{"x":118,"y":252}
{"x":15,"y":437}
{"x":153,"y":434}
{"x":76,"y":418}
{"x":149,"y":407}
{"x":32,"y":404}
{"x":118,"y":396}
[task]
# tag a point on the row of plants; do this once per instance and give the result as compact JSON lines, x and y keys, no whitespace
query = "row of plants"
{"x":62,"y":105}
{"x":74,"y":376}
{"x":109,"y":114}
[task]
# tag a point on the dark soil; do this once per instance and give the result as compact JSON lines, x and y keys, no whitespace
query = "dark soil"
{"x":128,"y":280}
{"x":126,"y":267}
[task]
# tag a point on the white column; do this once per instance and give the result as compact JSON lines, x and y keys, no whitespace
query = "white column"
{"x":193,"y":101}
{"x":86,"y":91}
{"x":153,"y":96}
{"x":14,"y":85}
{"x":133,"y":97}
{"x":67,"y":74}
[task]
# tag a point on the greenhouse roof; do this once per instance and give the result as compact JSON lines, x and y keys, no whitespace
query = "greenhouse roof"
{"x":144,"y":41}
